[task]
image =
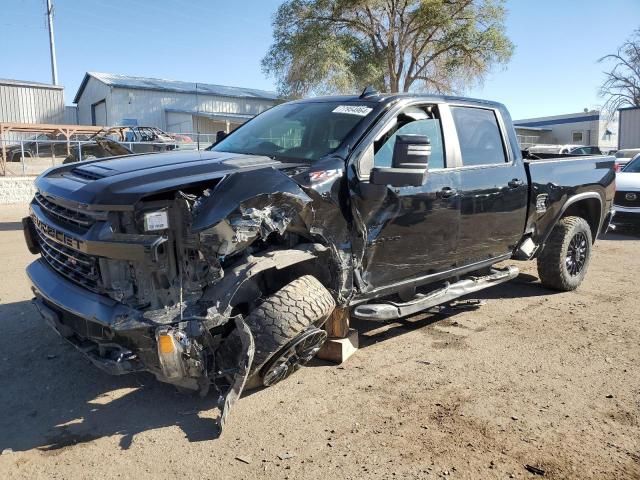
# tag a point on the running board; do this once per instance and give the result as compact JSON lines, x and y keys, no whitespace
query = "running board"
{"x":382,"y":312}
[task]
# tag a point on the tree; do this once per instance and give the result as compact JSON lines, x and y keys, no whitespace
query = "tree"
{"x":327,"y":46}
{"x":621,"y":86}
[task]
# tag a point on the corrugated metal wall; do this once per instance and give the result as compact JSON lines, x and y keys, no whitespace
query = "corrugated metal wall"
{"x":94,"y":92}
{"x":31,"y":104}
{"x":148,"y":107}
{"x":629,"y":123}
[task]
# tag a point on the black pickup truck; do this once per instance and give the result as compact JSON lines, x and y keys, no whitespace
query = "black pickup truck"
{"x":213,"y":268}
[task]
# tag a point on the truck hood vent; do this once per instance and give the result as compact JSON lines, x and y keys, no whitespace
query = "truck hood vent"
{"x":87,"y":174}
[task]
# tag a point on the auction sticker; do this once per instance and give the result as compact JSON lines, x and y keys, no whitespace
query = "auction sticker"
{"x":359,"y":110}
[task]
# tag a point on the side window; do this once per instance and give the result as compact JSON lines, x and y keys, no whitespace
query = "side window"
{"x":479,"y":136}
{"x":411,"y":121}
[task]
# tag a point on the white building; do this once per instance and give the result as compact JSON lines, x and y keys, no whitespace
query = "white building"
{"x":31,"y":102}
{"x":585,"y":128}
{"x":174,"y":106}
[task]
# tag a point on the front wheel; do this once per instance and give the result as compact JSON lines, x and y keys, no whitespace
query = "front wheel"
{"x":563,"y":263}
{"x":286,"y":329}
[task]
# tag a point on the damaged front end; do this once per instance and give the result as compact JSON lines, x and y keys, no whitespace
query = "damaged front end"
{"x":165,"y":287}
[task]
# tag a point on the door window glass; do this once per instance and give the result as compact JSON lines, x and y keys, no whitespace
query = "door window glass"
{"x":412,"y":121}
{"x":479,"y":136}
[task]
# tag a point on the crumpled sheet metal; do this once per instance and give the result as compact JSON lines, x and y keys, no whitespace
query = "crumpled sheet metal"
{"x":243,"y":191}
{"x":241,"y":375}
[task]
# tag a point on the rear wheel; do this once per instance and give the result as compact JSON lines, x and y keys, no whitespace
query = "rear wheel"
{"x":286,"y":329}
{"x":563,"y":263}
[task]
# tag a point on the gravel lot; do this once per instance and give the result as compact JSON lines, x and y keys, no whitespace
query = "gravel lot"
{"x":532,"y":378}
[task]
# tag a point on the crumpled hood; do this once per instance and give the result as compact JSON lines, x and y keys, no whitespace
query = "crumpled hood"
{"x":626,"y":181}
{"x":120,"y":182}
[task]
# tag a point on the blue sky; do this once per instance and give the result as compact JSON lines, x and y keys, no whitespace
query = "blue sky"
{"x":553,"y":70}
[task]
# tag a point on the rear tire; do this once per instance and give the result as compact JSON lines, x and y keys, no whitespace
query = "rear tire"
{"x":286,"y":330}
{"x":563,"y":263}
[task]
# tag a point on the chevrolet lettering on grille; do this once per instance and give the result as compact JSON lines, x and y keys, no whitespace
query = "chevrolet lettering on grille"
{"x":56,"y":235}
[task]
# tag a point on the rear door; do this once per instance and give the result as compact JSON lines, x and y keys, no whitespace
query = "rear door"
{"x":493,"y":189}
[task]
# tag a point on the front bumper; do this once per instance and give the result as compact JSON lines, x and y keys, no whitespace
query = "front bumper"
{"x":626,"y":216}
{"x":113,"y":336}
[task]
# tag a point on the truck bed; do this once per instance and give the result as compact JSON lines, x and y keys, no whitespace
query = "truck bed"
{"x":562,"y":178}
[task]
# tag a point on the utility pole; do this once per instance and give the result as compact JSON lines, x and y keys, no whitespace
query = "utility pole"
{"x":52,"y":43}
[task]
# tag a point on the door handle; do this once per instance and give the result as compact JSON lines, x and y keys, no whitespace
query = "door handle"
{"x":515,"y":183}
{"x":448,"y":192}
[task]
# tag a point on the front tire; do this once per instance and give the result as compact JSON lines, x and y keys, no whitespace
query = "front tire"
{"x":563,"y":263}
{"x":286,"y":329}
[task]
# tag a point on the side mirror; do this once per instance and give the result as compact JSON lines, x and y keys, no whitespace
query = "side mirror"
{"x":409,"y":163}
{"x":220,"y":135}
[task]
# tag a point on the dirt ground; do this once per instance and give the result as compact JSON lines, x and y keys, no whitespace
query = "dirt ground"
{"x":533,"y":378}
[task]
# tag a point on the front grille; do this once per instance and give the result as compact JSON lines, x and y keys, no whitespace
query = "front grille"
{"x":627,"y":199}
{"x":67,"y":215}
{"x":76,"y":266}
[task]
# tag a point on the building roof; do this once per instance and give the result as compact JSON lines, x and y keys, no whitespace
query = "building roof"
{"x":558,"y":119}
{"x":222,"y":116}
{"x":533,"y":129}
{"x":25,"y":83}
{"x":158,"y":84}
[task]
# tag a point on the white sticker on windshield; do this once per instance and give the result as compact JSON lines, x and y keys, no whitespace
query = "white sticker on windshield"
{"x":359,"y":110}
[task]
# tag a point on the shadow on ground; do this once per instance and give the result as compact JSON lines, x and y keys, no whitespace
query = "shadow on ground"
{"x":53,"y":398}
{"x":621,"y":233}
{"x":10,"y":226}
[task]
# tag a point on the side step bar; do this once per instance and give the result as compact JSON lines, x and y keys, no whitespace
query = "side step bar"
{"x":381,"y":312}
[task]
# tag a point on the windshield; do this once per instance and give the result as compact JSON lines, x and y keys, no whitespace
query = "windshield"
{"x":299,"y":131}
{"x":633,"y":166}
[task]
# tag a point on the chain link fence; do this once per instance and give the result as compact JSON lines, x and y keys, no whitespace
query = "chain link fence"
{"x":32,"y":155}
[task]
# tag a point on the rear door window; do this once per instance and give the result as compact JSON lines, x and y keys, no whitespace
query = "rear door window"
{"x":479,"y":136}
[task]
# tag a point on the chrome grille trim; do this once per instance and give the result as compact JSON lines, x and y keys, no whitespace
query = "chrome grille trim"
{"x":76,"y":266}
{"x":67,"y":215}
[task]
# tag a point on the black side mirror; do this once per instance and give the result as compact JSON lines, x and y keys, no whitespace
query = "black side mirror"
{"x":221,"y":135}
{"x":411,"y":151}
{"x":409,"y":163}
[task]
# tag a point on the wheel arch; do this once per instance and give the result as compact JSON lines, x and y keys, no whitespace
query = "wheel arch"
{"x":239,"y":282}
{"x":586,"y":205}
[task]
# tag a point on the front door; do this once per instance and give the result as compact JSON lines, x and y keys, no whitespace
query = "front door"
{"x":409,"y":231}
{"x":493,"y":189}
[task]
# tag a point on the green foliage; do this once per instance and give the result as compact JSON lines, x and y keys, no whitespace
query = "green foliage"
{"x":327,"y":46}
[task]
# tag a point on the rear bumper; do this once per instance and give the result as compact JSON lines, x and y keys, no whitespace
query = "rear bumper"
{"x":112,"y":336}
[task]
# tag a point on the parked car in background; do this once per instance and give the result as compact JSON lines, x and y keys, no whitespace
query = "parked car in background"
{"x":553,"y":151}
{"x":625,"y":156}
{"x":588,"y":150}
{"x":627,"y":200}
{"x":99,"y":147}
{"x":142,"y":139}
{"x":42,"y":145}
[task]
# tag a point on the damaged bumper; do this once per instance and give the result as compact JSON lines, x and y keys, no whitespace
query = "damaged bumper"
{"x":120,"y":340}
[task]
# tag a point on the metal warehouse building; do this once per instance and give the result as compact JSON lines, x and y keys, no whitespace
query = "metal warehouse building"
{"x":31,"y":102}
{"x":629,"y":136}
{"x":585,"y":128}
{"x":174,"y":106}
